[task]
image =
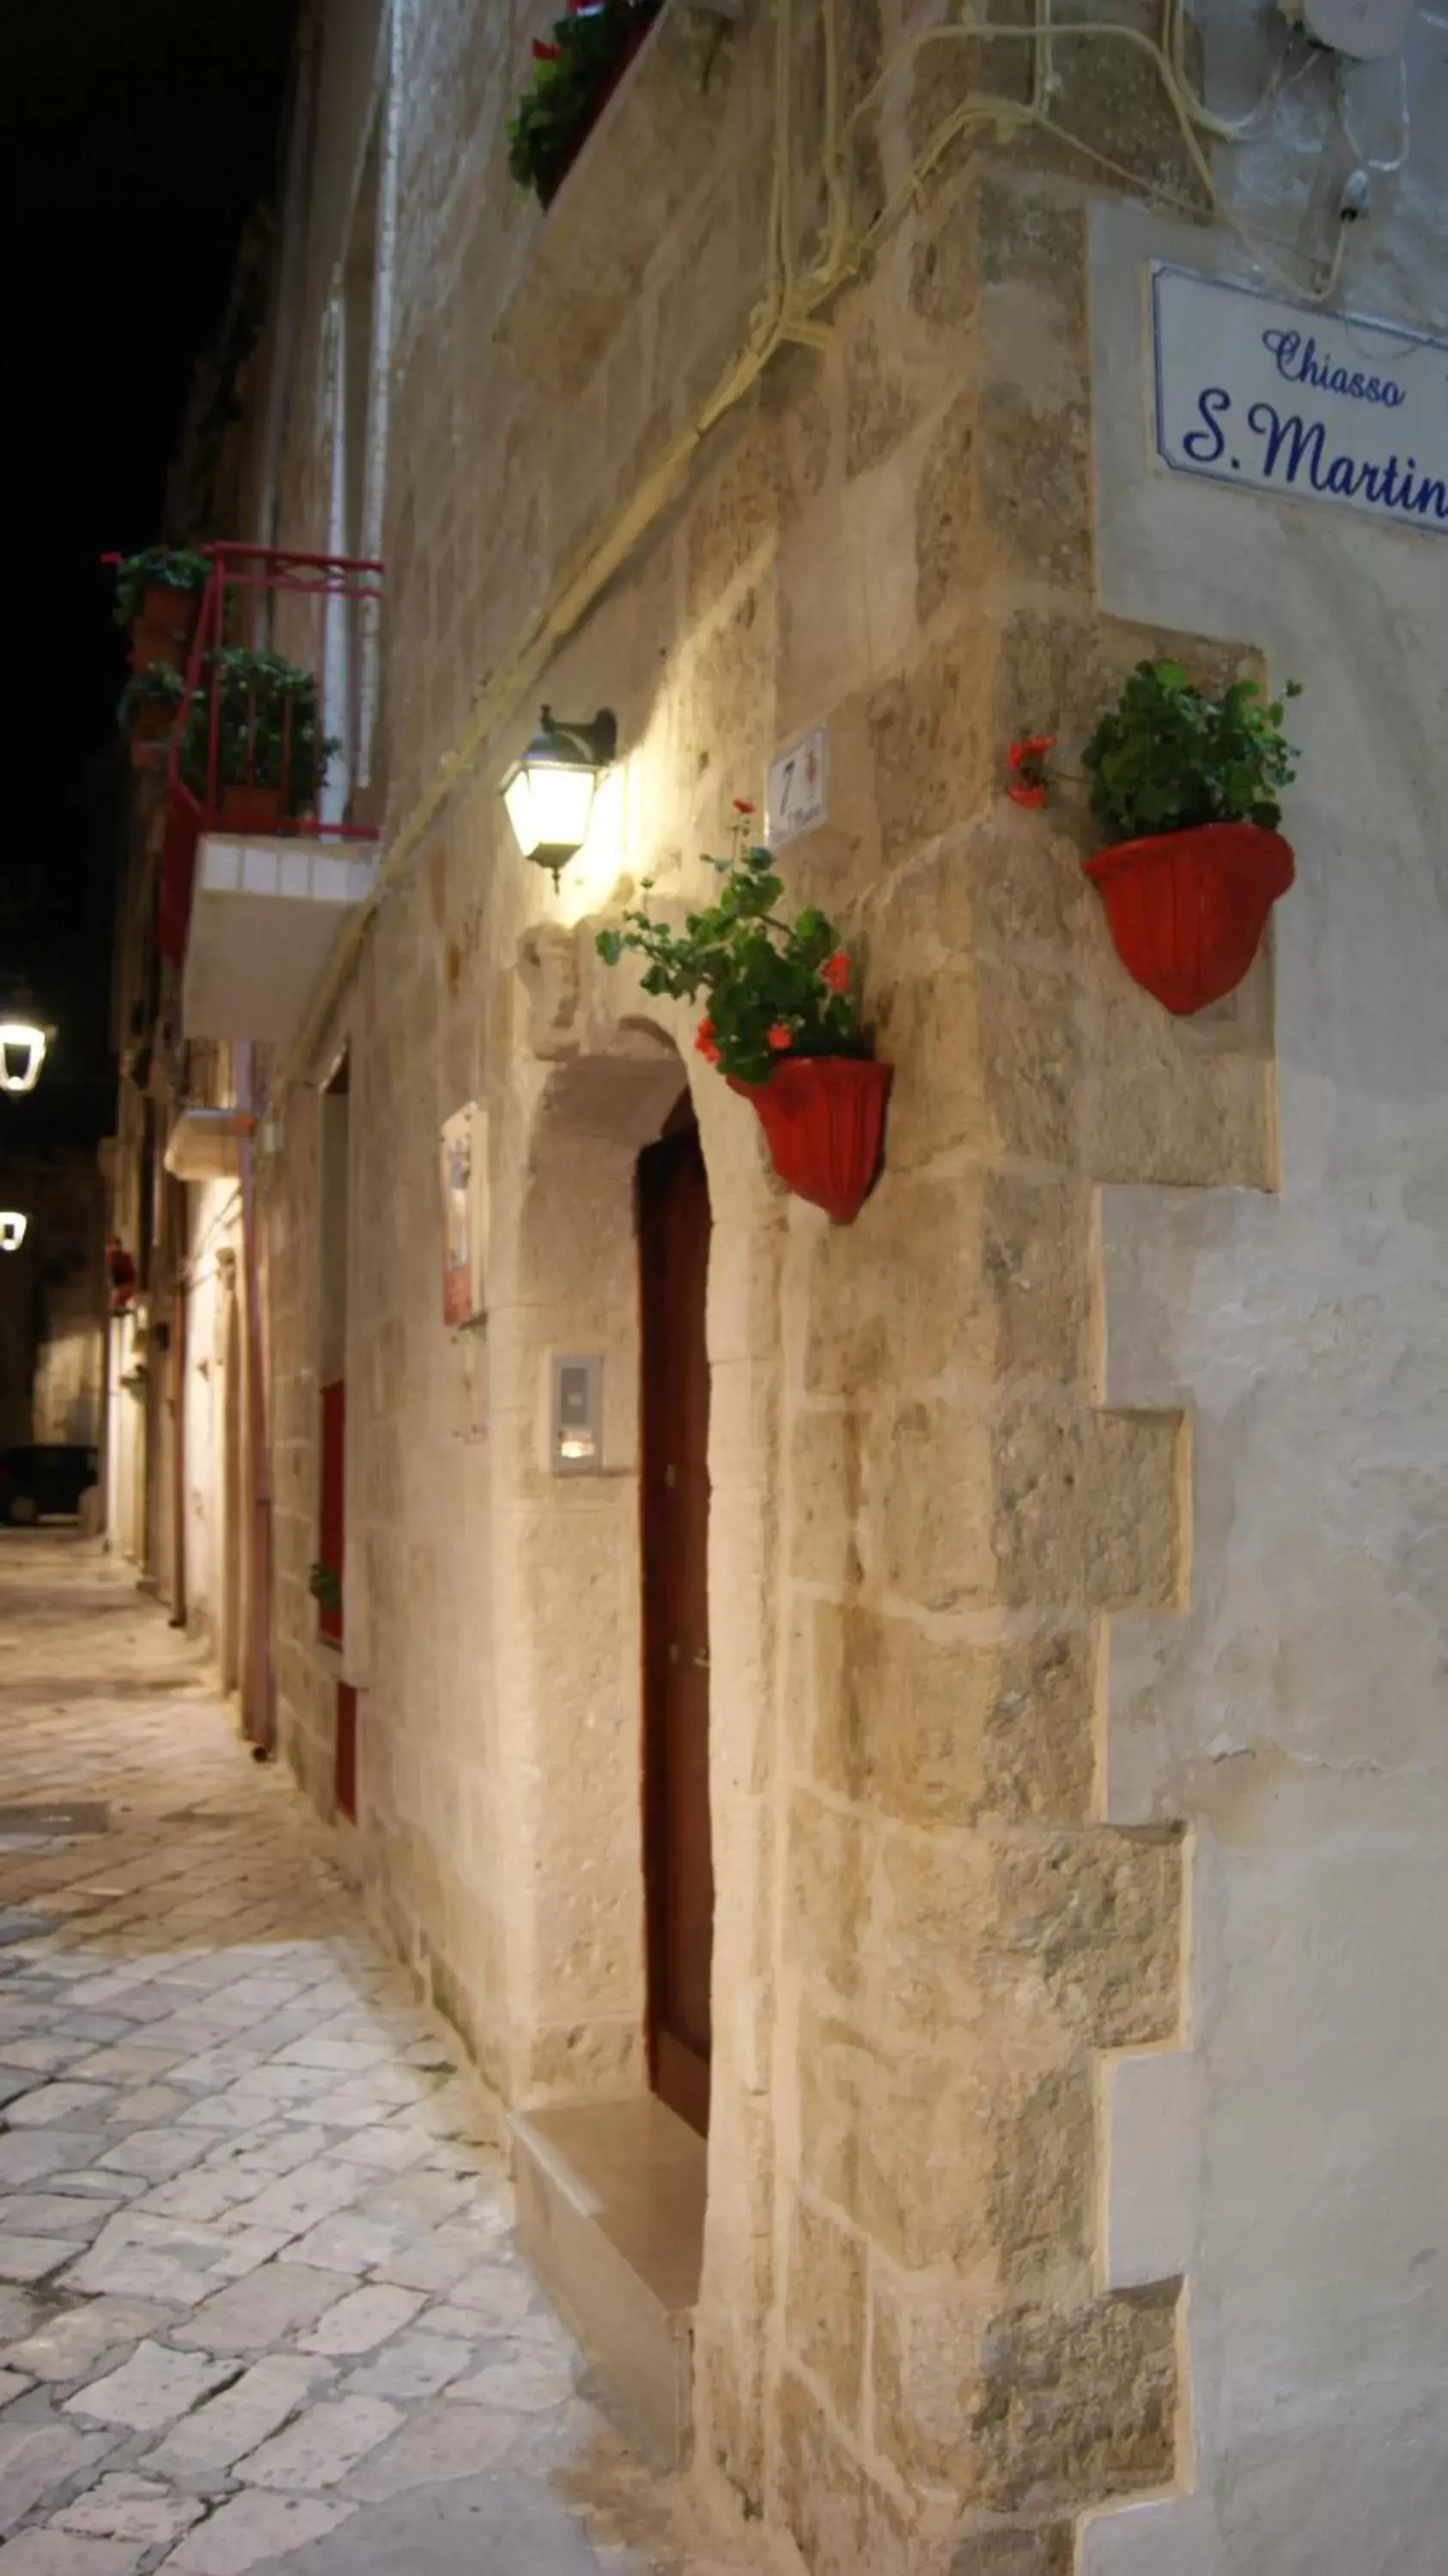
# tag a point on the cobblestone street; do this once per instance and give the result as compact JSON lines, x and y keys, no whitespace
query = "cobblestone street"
{"x":259,"y":2296}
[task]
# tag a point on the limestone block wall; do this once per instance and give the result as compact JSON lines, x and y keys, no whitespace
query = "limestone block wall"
{"x":939,"y":1527}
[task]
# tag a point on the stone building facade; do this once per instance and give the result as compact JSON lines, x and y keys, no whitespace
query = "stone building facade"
{"x":1074,"y":1517}
{"x":50,"y":1299}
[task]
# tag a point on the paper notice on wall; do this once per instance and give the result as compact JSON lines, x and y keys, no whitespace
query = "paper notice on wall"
{"x":463,"y":1157}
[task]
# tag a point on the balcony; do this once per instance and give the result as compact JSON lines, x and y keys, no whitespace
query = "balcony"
{"x":271,"y":801}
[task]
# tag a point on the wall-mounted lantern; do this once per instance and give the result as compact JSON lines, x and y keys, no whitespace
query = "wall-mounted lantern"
{"x":12,"y":1229}
{"x":549,"y":792}
{"x":22,"y":1053}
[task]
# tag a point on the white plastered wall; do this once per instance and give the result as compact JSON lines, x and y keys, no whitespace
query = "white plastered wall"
{"x":1290,"y":2161}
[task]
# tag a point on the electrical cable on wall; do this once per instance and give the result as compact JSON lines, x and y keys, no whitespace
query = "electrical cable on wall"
{"x":791,"y":309}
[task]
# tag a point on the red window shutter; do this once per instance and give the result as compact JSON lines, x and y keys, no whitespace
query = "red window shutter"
{"x":332,"y":1530}
{"x":345,"y":1772}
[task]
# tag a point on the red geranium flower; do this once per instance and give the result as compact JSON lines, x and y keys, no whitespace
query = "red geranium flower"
{"x":704,"y":1042}
{"x":836,"y":972}
{"x":780,"y":1037}
{"x":1028,"y":760}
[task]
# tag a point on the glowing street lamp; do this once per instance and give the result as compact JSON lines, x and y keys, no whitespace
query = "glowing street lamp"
{"x":549,"y":792}
{"x":12,"y":1229}
{"x":22,"y":1053}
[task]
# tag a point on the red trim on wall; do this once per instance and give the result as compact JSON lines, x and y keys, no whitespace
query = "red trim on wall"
{"x":331,"y":1518}
{"x":345,"y":1766}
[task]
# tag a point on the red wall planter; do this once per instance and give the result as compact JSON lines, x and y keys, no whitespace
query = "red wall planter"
{"x":823,"y":1118}
{"x":1187,"y":909}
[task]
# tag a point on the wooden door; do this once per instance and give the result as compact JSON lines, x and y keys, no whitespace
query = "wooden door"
{"x":674,"y":1258}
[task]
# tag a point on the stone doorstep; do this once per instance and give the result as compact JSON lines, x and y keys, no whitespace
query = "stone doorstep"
{"x":611,"y":2220}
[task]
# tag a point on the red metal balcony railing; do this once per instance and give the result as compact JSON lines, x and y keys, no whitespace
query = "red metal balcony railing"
{"x":272,"y":731}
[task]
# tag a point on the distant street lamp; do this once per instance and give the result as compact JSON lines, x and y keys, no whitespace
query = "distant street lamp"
{"x":12,"y":1229}
{"x":22,"y":1053}
{"x":549,"y":792}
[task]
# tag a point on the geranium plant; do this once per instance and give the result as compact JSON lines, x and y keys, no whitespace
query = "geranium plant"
{"x":1168,"y":757}
{"x":576,"y":66}
{"x":774,"y":989}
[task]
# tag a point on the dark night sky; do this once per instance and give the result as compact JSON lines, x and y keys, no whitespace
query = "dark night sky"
{"x":134,"y":141}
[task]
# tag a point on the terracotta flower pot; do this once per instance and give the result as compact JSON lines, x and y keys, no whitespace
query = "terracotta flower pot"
{"x":150,"y":731}
{"x":823,"y":1118}
{"x":253,"y":809}
{"x":167,"y":622}
{"x":1188,"y":909}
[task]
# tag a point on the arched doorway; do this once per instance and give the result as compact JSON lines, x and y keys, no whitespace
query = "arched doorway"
{"x":674,"y":1227}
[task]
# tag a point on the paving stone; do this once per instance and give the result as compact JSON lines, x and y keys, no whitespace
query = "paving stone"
{"x":411,"y":2365}
{"x":70,"y":2345}
{"x":253,"y":2531}
{"x":264,"y":2309}
{"x":151,"y":2389}
{"x":493,"y":2293}
{"x":133,"y":2064}
{"x":40,"y":2055}
{"x":151,"y":2102}
{"x":44,"y":2151}
{"x":160,"y":2154}
{"x":53,"y":2213}
{"x":205,"y":2445}
{"x":320,"y":2448}
{"x":31,"y":2258}
{"x":355,"y":2241}
{"x":364,"y":2318}
{"x":36,"y":2458}
{"x":522,"y":2387}
{"x":50,"y":2103}
{"x":60,"y":2553}
{"x":443,"y":2441}
{"x":140,"y":2257}
{"x":125,"y":2507}
{"x":313,"y":2192}
{"x":386,"y":2149}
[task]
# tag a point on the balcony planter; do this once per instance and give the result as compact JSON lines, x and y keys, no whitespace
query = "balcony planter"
{"x":1187,"y":909}
{"x":1188,"y":784}
{"x":253,"y":809}
{"x":253,"y":754}
{"x":148,"y":710}
{"x":578,"y":67}
{"x":158,"y":597}
{"x":823,"y":1118}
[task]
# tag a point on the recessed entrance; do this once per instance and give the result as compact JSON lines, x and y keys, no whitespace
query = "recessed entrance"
{"x":674,"y":1225}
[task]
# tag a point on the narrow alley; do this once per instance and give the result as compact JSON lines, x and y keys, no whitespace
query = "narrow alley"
{"x":260,"y":2300}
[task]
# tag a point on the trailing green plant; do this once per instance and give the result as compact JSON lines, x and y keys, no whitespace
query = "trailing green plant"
{"x":267,"y":728}
{"x":774,"y":988}
{"x":156,"y":684}
{"x":174,"y":567}
{"x":577,"y":63}
{"x":1169,"y":757}
{"x":325,"y":1587}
